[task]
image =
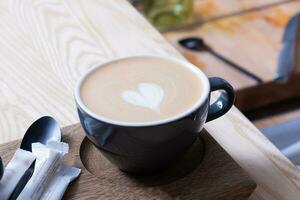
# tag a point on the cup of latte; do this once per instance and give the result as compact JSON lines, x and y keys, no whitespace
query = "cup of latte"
{"x":144,"y":112}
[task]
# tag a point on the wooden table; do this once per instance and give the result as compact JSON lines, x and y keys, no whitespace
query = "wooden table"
{"x":47,"y":44}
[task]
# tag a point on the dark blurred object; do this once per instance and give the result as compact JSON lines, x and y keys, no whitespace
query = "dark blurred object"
{"x":135,"y":3}
{"x":288,"y":54}
{"x":165,"y":14}
{"x":1,"y":168}
{"x":198,"y":44}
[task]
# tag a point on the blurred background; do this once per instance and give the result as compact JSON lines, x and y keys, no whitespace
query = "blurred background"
{"x":251,"y":43}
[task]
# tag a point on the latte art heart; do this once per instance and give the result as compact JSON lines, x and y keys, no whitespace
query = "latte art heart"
{"x":148,"y":95}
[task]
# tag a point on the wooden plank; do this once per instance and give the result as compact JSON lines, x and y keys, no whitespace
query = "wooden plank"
{"x":100,"y":179}
{"x":207,"y":9}
{"x":252,"y":40}
{"x":60,"y":39}
{"x":267,"y":94}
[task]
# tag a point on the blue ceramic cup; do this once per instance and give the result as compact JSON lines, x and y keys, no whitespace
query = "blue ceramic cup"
{"x":148,"y":147}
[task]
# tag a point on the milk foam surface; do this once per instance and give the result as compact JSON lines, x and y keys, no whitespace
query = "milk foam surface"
{"x":141,"y":89}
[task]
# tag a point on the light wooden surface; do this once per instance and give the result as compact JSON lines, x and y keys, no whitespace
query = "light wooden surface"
{"x":190,"y":178}
{"x":252,"y":40}
{"x":207,"y":9}
{"x":46,"y":44}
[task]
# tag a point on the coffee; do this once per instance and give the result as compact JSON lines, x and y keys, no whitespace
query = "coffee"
{"x":141,"y":89}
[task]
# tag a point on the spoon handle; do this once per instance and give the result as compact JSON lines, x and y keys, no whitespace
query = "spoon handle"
{"x":234,"y":65}
{"x":23,"y":181}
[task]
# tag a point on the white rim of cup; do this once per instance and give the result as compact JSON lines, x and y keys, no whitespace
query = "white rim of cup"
{"x":202,"y":99}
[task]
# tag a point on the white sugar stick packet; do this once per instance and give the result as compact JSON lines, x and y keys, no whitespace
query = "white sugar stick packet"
{"x":60,"y":182}
{"x":13,"y":172}
{"x":51,"y":176}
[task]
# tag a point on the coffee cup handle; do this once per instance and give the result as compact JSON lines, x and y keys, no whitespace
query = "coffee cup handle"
{"x":224,"y":102}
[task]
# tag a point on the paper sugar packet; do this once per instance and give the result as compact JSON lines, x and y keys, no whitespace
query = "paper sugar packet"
{"x":51,"y":176}
{"x":13,"y":172}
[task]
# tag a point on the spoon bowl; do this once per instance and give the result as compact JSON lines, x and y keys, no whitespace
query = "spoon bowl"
{"x":194,"y":43}
{"x":43,"y":130}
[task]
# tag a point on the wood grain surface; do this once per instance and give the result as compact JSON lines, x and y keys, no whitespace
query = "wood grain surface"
{"x":46,"y":44}
{"x":252,"y":40}
{"x":190,"y":178}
